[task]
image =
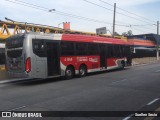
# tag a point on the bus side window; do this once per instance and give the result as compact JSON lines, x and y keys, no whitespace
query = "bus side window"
{"x":121,"y":51}
{"x":81,"y":48}
{"x":39,"y":47}
{"x":67,"y":48}
{"x":117,"y":52}
{"x":93,"y":49}
{"x":123,"y":48}
{"x":110,"y":51}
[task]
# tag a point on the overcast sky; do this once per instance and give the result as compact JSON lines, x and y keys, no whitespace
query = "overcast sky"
{"x":147,"y":9}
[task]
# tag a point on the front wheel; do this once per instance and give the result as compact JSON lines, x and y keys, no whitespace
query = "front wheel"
{"x":122,"y":65}
{"x":82,"y":71}
{"x":69,"y":73}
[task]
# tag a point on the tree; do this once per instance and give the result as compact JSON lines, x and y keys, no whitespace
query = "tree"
{"x":129,"y":33}
{"x":116,"y":34}
{"x":124,"y":34}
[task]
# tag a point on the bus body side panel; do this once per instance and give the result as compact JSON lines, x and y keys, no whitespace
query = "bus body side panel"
{"x":91,"y":62}
{"x":39,"y":55}
{"x":46,"y":62}
{"x":28,"y":54}
{"x":114,"y":63}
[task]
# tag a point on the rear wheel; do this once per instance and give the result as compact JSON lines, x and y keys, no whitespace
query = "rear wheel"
{"x":82,"y":71}
{"x":122,"y":65}
{"x":69,"y":73}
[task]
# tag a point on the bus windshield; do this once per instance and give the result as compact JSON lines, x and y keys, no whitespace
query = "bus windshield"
{"x":15,"y":42}
{"x":12,"y":43}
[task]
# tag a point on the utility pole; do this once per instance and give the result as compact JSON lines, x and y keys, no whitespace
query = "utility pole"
{"x":158,"y":40}
{"x":114,"y":18}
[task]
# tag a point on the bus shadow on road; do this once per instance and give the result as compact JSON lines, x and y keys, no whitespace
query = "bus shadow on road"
{"x":30,"y":82}
{"x":34,"y":81}
{"x":107,"y":71}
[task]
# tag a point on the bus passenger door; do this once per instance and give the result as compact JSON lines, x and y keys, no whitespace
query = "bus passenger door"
{"x":39,"y":62}
{"x":53,"y":58}
{"x":103,"y":52}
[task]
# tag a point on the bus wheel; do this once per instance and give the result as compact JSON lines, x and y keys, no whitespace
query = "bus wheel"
{"x":82,"y":71}
{"x":69,"y":73}
{"x":123,"y":65}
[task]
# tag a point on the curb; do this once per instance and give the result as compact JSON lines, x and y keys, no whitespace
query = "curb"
{"x":9,"y":81}
{"x":141,"y":64}
{"x":18,"y":80}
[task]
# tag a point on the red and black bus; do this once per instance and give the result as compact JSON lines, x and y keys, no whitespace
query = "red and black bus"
{"x":35,"y":55}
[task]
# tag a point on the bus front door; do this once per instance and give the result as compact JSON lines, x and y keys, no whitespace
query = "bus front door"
{"x":103,"y":61}
{"x":53,"y":58}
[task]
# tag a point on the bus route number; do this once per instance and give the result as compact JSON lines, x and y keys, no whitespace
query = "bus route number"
{"x":68,"y":59}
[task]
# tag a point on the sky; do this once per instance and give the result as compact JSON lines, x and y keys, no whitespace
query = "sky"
{"x":140,"y":16}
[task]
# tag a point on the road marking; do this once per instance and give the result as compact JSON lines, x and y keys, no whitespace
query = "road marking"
{"x":151,"y":118}
{"x":17,"y":108}
{"x":119,"y":81}
{"x":140,"y":64}
{"x":153,"y":101}
{"x":128,"y":117}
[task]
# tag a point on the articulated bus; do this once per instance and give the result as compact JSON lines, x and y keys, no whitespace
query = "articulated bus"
{"x":37,"y":55}
{"x":2,"y":56}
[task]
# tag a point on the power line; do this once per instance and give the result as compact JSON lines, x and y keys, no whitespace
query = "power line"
{"x":106,"y":2}
{"x":127,"y":11}
{"x":66,"y":14}
{"x":144,"y":26}
{"x":137,"y":29}
{"x":24,"y":4}
{"x":112,"y":11}
{"x":98,"y":5}
{"x":57,"y":12}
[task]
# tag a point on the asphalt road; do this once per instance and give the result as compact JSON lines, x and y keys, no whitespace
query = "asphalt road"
{"x":133,"y":89}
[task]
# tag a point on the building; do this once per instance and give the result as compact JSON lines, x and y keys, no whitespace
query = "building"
{"x":144,"y":45}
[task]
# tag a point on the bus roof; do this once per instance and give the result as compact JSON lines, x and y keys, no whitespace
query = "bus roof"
{"x":80,"y":38}
{"x":93,"y":39}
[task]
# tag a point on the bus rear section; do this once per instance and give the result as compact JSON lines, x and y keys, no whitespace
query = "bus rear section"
{"x":16,"y":64}
{"x":32,"y":55}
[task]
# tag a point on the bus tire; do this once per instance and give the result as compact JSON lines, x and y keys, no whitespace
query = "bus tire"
{"x":123,"y":65}
{"x":82,"y":71}
{"x":69,"y":73}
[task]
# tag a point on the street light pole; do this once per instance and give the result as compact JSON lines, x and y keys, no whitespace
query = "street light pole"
{"x":114,"y":17}
{"x":59,"y":24}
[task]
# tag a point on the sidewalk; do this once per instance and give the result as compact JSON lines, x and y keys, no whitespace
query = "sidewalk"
{"x":3,"y":75}
{"x":146,"y":60}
